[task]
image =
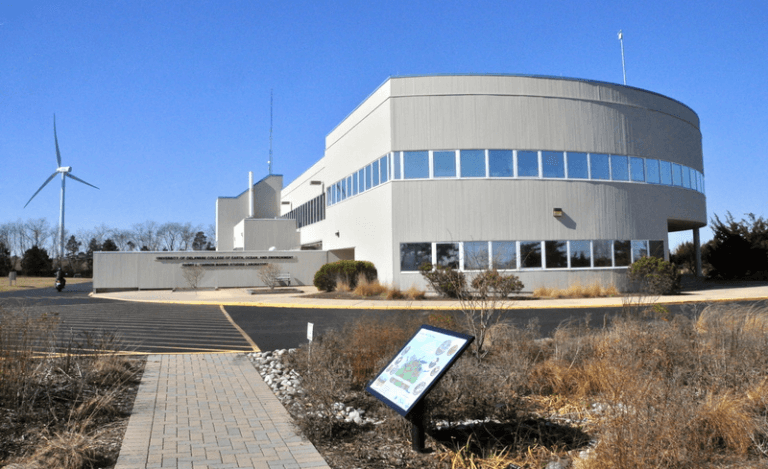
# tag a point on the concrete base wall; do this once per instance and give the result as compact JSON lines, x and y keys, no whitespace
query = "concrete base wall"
{"x":533,"y":279}
{"x":234,"y":269}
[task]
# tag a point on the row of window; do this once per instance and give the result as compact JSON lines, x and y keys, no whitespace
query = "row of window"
{"x":308,"y":212}
{"x":514,"y":164}
{"x":516,"y":255}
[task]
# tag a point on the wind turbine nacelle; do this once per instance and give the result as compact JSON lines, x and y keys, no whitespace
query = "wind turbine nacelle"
{"x":64,"y":169}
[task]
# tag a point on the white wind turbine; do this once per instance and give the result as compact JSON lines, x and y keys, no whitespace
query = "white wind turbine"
{"x":65,"y":172}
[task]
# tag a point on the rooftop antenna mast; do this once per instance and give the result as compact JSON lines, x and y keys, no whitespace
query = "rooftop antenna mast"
{"x":270,"y":132}
{"x":623,"y":69}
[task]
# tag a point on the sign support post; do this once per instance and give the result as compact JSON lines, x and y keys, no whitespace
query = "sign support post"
{"x":416,"y":416}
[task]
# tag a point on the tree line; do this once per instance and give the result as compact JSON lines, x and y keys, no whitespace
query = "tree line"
{"x":36,"y":240}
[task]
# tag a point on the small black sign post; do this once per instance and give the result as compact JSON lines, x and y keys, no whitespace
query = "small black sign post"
{"x":414,"y":371}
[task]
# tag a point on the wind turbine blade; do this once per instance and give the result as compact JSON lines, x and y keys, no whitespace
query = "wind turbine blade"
{"x":56,"y":139}
{"x":69,"y":175}
{"x":41,"y":188}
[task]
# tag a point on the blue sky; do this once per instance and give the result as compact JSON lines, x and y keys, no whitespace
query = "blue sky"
{"x":165,"y":105}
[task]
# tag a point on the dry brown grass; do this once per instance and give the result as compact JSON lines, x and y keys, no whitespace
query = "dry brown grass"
{"x":683,"y":392}
{"x":594,"y":290}
{"x":414,"y":293}
{"x":342,"y":285}
{"x":29,"y":283}
{"x":54,"y":399}
{"x":369,"y":288}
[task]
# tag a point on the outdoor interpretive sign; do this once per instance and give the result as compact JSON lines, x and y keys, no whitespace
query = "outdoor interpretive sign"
{"x":416,"y":368}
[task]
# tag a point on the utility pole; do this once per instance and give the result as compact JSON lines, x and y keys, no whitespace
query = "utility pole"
{"x":623,"y":69}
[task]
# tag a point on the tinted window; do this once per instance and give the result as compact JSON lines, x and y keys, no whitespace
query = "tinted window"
{"x":413,"y":255}
{"x":556,"y":254}
{"x":504,"y":255}
{"x":444,"y":164}
{"x":349,"y":186}
{"x":501,"y":163}
{"x":355,"y":181}
{"x":396,"y":157}
{"x":374,"y":173}
{"x":527,"y":164}
{"x":472,"y":163}
{"x":677,"y":175}
{"x":580,"y":253}
{"x":657,"y":249}
{"x":639,"y":250}
{"x":384,"y":169}
{"x":602,"y":251}
{"x":619,"y":168}
{"x":530,"y":254}
{"x":475,"y":255}
{"x":652,"y":171}
{"x":686,"y":177}
{"x":636,"y":169}
{"x":621,"y":253}
{"x":599,"y":166}
{"x":415,"y":165}
{"x":665,"y":168}
{"x":552,"y":164}
{"x":447,"y":254}
{"x":577,"y":165}
{"x":361,"y":181}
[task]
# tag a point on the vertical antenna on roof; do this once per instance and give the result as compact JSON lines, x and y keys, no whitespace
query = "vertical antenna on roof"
{"x":270,"y":132}
{"x":624,"y":70}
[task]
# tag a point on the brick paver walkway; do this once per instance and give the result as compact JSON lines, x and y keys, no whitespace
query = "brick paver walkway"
{"x":210,"y":411}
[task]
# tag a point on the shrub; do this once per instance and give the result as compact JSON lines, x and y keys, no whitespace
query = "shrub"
{"x":445,"y":281}
{"x":656,"y":276}
{"x":329,"y":274}
{"x":739,"y":249}
{"x":490,"y":283}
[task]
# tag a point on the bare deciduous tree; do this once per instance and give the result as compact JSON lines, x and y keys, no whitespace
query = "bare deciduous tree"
{"x":146,"y":235}
{"x":268,"y":274}
{"x":193,"y":274}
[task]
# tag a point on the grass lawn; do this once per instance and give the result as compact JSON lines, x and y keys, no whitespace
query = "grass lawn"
{"x":28,"y":283}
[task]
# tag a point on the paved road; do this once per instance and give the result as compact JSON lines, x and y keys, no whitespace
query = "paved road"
{"x":170,"y":328}
{"x":141,"y":327}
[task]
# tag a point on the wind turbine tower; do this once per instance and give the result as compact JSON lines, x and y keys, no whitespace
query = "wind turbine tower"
{"x":66,"y":172}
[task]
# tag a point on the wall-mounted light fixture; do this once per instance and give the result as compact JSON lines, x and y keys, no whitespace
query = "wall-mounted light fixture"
{"x":315,"y":183}
{"x":286,"y":203}
{"x":337,"y":234}
{"x":557,"y":212}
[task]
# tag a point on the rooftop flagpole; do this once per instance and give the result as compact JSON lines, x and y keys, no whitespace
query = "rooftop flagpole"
{"x":623,"y":69}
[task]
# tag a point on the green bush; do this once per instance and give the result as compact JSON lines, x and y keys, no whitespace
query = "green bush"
{"x":445,"y":281}
{"x":326,"y":277}
{"x":739,"y":249}
{"x":490,"y":283}
{"x":655,"y":276}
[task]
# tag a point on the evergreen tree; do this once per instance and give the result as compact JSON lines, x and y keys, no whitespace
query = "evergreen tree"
{"x":739,"y":248}
{"x":5,"y":260}
{"x":36,"y":262}
{"x":200,"y":242}
{"x":109,"y":246}
{"x":72,"y":246}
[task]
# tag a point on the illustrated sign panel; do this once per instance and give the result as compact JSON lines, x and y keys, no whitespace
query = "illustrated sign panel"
{"x":417,"y":367}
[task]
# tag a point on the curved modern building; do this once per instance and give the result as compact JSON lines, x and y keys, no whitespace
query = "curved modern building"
{"x":558,"y":180}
